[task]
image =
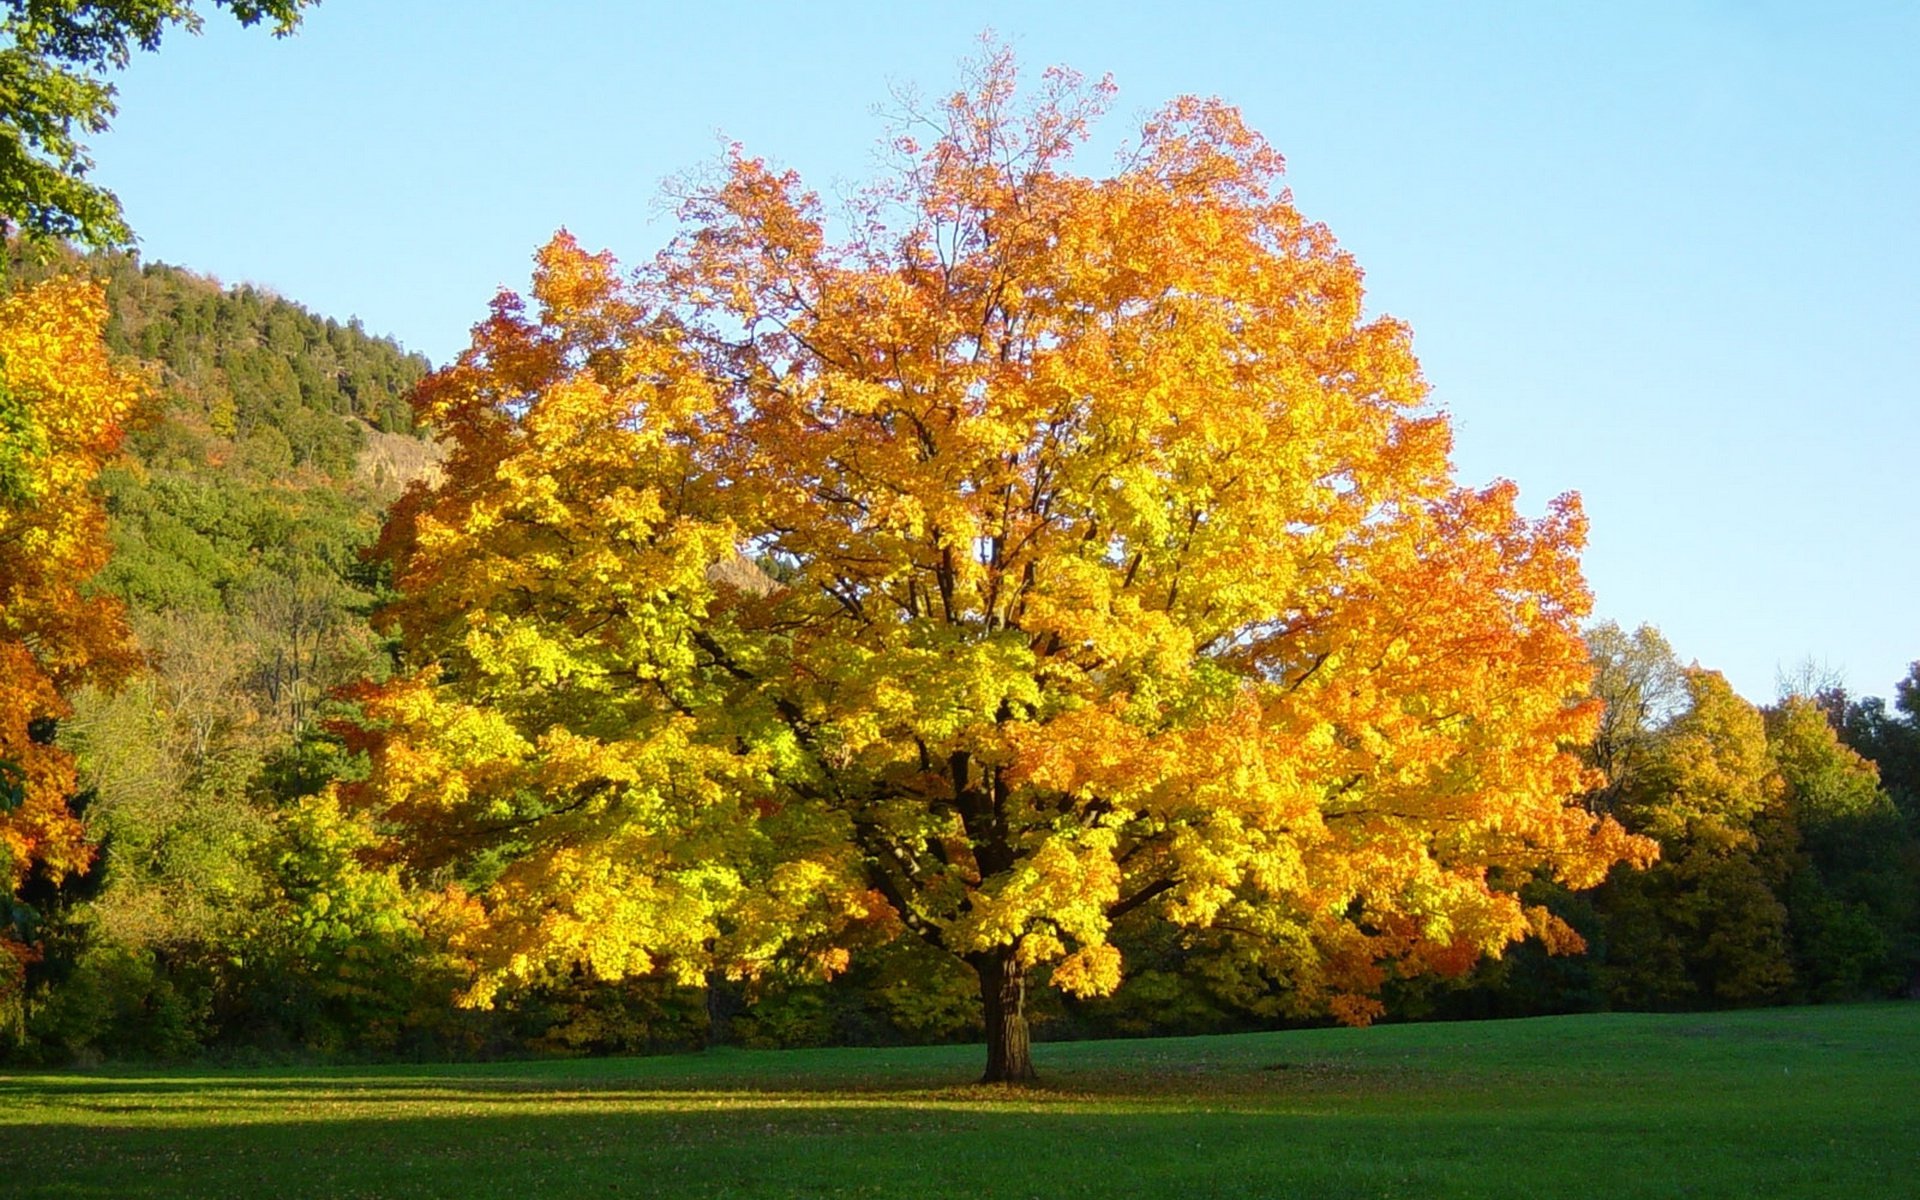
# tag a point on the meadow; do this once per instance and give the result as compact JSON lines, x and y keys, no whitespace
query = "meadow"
{"x":1776,"y":1103}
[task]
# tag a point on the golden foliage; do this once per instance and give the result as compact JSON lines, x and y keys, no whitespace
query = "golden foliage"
{"x":63,"y":410}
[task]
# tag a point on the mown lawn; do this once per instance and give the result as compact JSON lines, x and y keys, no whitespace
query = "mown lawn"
{"x":1791,"y":1102}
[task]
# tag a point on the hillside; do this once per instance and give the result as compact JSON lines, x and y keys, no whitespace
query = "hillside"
{"x":275,"y":439}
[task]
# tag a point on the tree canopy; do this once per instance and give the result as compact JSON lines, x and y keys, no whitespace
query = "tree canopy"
{"x":54,"y":59}
{"x":1045,"y":552}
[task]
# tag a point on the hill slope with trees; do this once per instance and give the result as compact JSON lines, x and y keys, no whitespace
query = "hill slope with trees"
{"x":269,"y":445}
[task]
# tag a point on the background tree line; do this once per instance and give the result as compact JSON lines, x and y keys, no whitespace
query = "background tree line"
{"x":1790,"y":869}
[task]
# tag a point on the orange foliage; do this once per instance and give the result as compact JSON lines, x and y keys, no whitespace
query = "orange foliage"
{"x":63,"y":408}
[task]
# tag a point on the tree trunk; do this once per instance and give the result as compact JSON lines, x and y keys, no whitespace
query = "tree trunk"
{"x":1003,"y":997}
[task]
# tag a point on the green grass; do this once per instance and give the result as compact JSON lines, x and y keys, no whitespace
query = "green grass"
{"x":1787,"y":1102}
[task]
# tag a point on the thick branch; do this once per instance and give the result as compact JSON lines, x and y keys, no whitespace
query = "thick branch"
{"x":896,"y":895}
{"x":1156,"y":888}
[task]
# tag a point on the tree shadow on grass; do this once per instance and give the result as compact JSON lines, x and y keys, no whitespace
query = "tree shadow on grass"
{"x":510,"y":1136}
{"x":696,"y":1082}
{"x":1620,"y":1109}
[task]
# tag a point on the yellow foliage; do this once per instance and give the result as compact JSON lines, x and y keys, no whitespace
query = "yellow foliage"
{"x":1088,"y":971}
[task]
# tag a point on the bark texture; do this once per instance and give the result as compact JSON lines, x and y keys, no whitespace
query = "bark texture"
{"x":1003,"y":997}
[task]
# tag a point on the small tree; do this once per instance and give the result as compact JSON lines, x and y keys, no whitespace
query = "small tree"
{"x":63,"y":408}
{"x":1050,"y":549}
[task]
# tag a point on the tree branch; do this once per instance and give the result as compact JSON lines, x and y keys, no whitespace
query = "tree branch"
{"x":1156,"y":888}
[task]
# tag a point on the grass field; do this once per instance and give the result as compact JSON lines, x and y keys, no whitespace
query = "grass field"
{"x":1787,"y":1102}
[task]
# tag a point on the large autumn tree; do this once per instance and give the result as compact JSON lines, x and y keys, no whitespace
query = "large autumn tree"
{"x":64,"y":407}
{"x":1040,"y":552}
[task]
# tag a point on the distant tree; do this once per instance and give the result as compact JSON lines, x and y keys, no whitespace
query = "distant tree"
{"x":1853,"y":895}
{"x":1706,"y":924}
{"x":55,"y":56}
{"x":1809,"y":679}
{"x":1891,"y":738}
{"x":1641,"y":685}
{"x":1827,"y":783}
{"x":1111,"y":568}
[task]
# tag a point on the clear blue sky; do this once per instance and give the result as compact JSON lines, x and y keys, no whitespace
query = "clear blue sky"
{"x":1664,"y":254}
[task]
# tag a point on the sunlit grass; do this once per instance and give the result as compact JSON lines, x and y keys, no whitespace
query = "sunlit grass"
{"x":1800,"y":1102}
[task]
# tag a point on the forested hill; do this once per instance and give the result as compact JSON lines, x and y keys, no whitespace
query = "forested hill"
{"x":246,"y":373}
{"x":257,"y":377}
{"x":275,"y":437}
